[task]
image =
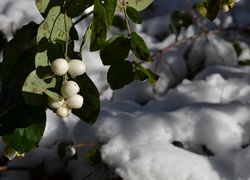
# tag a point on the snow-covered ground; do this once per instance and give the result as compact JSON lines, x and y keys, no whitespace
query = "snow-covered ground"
{"x":189,"y":126}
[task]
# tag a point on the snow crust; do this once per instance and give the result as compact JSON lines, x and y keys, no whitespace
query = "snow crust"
{"x":191,"y":125}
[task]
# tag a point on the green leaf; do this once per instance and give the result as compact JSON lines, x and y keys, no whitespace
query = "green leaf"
{"x":110,"y":6}
{"x":152,"y":77}
{"x":102,"y":19}
{"x":45,"y":5}
{"x":86,"y":38}
{"x":213,"y":7}
{"x":140,"y":75}
{"x":36,"y":86}
{"x":29,"y":123}
{"x":41,"y":59}
{"x":134,"y":15}
{"x":115,"y":49}
{"x":139,"y":48}
{"x":91,"y":107}
{"x":139,"y":5}
{"x":178,"y":20}
{"x":55,"y":27}
{"x":98,"y":32}
{"x":120,"y":74}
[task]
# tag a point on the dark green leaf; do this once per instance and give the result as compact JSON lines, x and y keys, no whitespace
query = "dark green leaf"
{"x":120,"y":74}
{"x":213,"y":7}
{"x":139,"y":47}
{"x":14,"y":49}
{"x":119,"y":22}
{"x":134,"y":15}
{"x":24,"y":126}
{"x":94,"y":157}
{"x":245,"y":63}
{"x":115,"y":49}
{"x":178,"y":20}
{"x":12,"y":90}
{"x":77,"y":7}
{"x":98,"y":32}
{"x":140,"y":75}
{"x":152,"y":76}
{"x":91,"y":107}
{"x":237,"y":48}
{"x":34,"y":99}
{"x":102,"y":19}
{"x":73,"y":33}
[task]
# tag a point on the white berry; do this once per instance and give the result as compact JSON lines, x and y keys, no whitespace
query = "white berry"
{"x":76,"y":68}
{"x":59,"y":66}
{"x":75,"y":102}
{"x":70,"y":151}
{"x":63,"y":111}
{"x":54,"y":104}
{"x":69,"y":89}
{"x":9,"y":152}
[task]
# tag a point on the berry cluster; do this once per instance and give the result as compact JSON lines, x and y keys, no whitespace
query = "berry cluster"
{"x":227,"y":4}
{"x":71,"y":100}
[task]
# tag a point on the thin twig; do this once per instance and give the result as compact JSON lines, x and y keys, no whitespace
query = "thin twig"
{"x":197,"y":19}
{"x":126,"y":20}
{"x":204,"y":33}
{"x":14,"y":168}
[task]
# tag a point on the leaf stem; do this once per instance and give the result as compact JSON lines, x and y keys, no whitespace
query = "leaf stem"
{"x":127,"y":25}
{"x":65,"y":77}
{"x":83,"y":145}
{"x":126,"y":21}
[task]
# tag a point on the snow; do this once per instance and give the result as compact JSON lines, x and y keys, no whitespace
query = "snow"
{"x":190,"y":125}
